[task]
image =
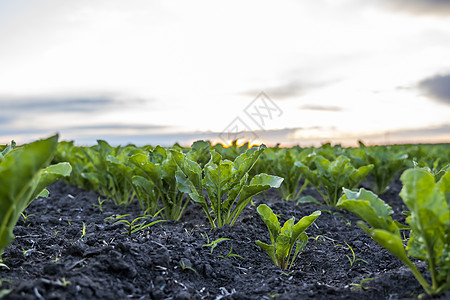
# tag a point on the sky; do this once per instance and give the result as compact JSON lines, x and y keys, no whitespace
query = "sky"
{"x":288,"y":72}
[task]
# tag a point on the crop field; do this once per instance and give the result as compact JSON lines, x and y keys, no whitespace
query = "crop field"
{"x":215,"y":222}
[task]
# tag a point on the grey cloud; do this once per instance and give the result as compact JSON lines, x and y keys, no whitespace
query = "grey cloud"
{"x":443,"y":129}
{"x":419,"y":7}
{"x":5,"y":119}
{"x":57,"y":105}
{"x":321,"y":108}
{"x":437,"y":87}
{"x":76,"y":103}
{"x":281,"y":92}
{"x":117,"y":127}
{"x":22,"y":131}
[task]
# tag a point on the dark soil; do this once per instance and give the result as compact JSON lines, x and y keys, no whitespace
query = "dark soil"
{"x":51,"y":259}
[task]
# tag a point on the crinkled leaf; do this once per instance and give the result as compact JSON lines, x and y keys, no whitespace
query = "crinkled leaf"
{"x":367,"y":206}
{"x":189,"y":177}
{"x":245,"y":162}
{"x":259,"y":183}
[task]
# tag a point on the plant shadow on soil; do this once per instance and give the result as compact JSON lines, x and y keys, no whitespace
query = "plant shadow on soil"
{"x":50,"y":257}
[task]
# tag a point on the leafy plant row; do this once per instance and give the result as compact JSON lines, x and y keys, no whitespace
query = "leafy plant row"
{"x":149,"y":174}
{"x":224,"y":180}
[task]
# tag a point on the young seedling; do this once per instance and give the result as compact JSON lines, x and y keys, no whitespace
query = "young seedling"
{"x":27,"y":253}
{"x":283,"y":239}
{"x":353,"y":259}
{"x":230,"y":254}
{"x":4,"y":292}
{"x":100,"y":204}
{"x":133,"y":227}
{"x":2,"y":265}
{"x":214,"y":244}
{"x":63,"y":282}
{"x":361,"y":284}
{"x":184,"y":267}
{"x":25,"y":217}
{"x":83,"y":232}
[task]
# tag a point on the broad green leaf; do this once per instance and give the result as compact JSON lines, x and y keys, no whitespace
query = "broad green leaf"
{"x":270,"y":249}
{"x":245,"y":162}
{"x":367,"y":206}
{"x":271,"y":221}
{"x":303,"y":224}
{"x":189,"y":177}
{"x":388,"y":240}
{"x":429,"y":220}
{"x":51,"y":174}
{"x":259,"y":183}
{"x":308,"y":199}
{"x":21,"y":171}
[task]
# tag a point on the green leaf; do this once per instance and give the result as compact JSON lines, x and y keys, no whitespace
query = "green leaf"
{"x":270,"y":249}
{"x":189,"y":177}
{"x":308,"y":199}
{"x":22,"y":179}
{"x":258,"y":184}
{"x":284,"y":238}
{"x":51,"y":174}
{"x":389,"y":240}
{"x":429,"y":221}
{"x":304,"y":223}
{"x":271,"y":221}
{"x":367,"y":206}
{"x":245,"y":162}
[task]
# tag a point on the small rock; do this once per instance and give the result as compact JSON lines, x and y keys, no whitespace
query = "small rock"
{"x":183,"y":295}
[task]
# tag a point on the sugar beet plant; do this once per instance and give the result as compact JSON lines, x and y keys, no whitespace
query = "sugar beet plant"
{"x":156,"y":184}
{"x":281,"y":162}
{"x":76,"y":156}
{"x":24,"y":174}
{"x":329,"y":177}
{"x":386,"y":161}
{"x":429,"y":222}
{"x":286,"y":241}
{"x":226,"y":183}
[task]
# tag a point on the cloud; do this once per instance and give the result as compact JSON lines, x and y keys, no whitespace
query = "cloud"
{"x":117,"y":127}
{"x":419,"y":7}
{"x":320,"y":108}
{"x":281,"y":92}
{"x":7,"y":131}
{"x":62,"y":104}
{"x":58,"y":105}
{"x":5,"y":119}
{"x":24,"y":106}
{"x":437,"y":130}
{"x":437,"y":87}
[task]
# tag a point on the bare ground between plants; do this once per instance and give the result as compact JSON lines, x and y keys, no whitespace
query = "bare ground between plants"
{"x":51,"y":259}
